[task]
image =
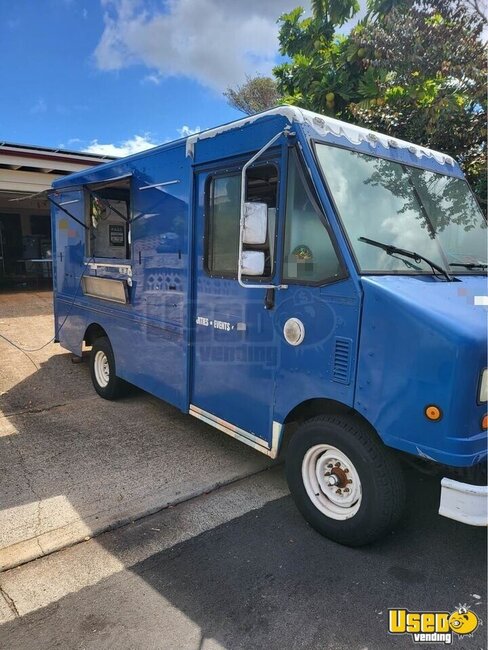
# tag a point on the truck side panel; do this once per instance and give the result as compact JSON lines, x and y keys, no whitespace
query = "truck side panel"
{"x":148,"y":334}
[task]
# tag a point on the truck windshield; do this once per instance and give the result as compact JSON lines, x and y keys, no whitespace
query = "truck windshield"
{"x":435,"y":215}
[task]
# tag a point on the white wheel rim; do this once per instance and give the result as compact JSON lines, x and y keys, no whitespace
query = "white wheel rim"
{"x":102,"y":369}
{"x":332,"y":482}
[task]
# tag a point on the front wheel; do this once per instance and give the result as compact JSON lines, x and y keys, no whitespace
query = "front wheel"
{"x":344,"y":481}
{"x":102,"y":370}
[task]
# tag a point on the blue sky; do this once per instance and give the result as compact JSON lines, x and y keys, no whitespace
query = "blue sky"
{"x":116,"y":76}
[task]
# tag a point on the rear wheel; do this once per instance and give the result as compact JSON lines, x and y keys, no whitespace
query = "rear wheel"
{"x":102,"y":370}
{"x":344,"y":481}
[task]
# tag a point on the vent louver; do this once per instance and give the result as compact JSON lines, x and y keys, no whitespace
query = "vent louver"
{"x":342,"y":360}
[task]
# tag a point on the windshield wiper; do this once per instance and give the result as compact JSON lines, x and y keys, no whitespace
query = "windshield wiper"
{"x":470,"y":265}
{"x":390,"y":249}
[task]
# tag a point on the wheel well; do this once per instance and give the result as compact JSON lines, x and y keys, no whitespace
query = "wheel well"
{"x":318,"y":406}
{"x":93,"y":332}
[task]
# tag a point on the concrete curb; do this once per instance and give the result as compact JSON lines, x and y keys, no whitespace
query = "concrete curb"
{"x":79,"y":531}
{"x":35,"y":585}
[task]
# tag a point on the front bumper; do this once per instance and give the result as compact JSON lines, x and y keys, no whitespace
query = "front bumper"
{"x":464,"y":502}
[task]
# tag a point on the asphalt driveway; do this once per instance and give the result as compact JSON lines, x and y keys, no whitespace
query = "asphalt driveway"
{"x":240,"y":569}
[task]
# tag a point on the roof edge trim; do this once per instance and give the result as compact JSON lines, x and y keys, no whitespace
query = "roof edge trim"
{"x":324,"y":125}
{"x":292,"y":113}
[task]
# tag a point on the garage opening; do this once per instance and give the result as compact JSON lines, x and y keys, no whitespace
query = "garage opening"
{"x":25,"y":243}
{"x":26,"y":171}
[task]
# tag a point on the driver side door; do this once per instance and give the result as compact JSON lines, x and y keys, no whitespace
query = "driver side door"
{"x":235,"y":342}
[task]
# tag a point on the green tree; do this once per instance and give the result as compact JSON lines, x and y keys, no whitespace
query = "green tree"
{"x":425,"y":80}
{"x":319,"y":73}
{"x":255,"y":95}
{"x":415,"y":69}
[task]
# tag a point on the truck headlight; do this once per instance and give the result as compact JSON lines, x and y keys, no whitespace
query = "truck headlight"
{"x":483,"y":394}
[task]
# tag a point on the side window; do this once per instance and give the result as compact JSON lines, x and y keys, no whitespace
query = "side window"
{"x":223,"y":224}
{"x":108,"y":219}
{"x":309,"y":254}
{"x":223,"y":215}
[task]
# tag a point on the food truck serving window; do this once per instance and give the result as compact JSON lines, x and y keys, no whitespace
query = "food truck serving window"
{"x":108,"y":219}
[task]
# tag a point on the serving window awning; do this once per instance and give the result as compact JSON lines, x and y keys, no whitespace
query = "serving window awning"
{"x":121,"y":182}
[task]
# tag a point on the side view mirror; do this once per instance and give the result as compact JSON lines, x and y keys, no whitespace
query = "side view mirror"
{"x":255,"y":223}
{"x":253,"y":228}
{"x":252,"y":263}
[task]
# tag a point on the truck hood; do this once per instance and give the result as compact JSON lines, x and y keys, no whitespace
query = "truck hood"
{"x":451,"y":304}
{"x":423,"y":341}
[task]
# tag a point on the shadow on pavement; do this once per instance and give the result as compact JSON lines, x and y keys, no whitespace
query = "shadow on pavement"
{"x":271,"y":579}
{"x":267,"y":580}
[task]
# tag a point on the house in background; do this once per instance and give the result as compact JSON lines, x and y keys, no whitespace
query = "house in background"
{"x":25,"y":226}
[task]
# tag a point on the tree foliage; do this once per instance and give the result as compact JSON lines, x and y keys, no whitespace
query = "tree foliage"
{"x":255,"y":95}
{"x":318,"y":74}
{"x":425,"y":74}
{"x":415,"y":69}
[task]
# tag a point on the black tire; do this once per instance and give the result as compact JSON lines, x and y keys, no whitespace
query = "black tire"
{"x":381,"y":481}
{"x":114,"y":386}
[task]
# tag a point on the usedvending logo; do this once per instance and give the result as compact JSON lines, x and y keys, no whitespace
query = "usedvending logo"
{"x":433,"y":627}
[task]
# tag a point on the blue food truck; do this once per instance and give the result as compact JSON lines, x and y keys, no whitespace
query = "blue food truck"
{"x":292,"y":276}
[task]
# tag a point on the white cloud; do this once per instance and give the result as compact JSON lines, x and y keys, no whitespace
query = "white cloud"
{"x":73,"y":143}
{"x":215,"y":42}
{"x":153,"y":78}
{"x":126,"y":148}
{"x":185,"y":131}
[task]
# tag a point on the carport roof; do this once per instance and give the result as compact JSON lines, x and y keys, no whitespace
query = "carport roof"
{"x":32,"y":168}
{"x":58,"y":153}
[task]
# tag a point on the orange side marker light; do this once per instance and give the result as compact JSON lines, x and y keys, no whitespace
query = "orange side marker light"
{"x":433,"y":412}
